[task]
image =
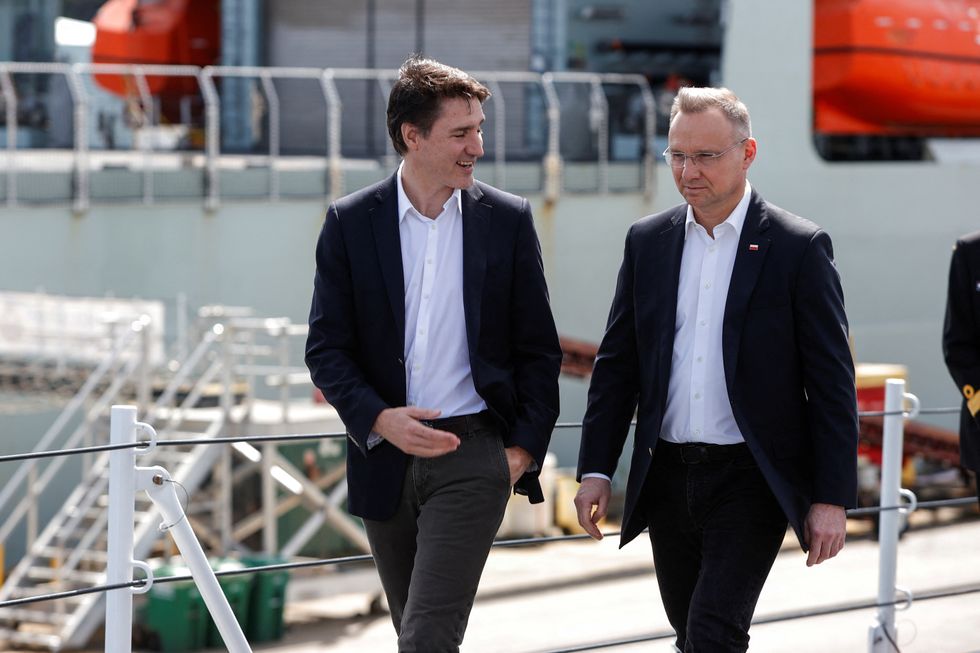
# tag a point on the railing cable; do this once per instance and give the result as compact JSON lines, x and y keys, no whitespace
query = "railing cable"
{"x":301,"y":437}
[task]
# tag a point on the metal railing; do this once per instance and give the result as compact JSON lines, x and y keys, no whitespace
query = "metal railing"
{"x":882,"y":633}
{"x":151,"y":161}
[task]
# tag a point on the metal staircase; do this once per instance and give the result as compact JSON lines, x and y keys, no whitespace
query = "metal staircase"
{"x":206,"y":394}
{"x":70,"y":553}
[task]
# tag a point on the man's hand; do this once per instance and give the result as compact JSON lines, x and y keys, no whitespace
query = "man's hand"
{"x":824,"y":531}
{"x":518,"y":460}
{"x":592,"y":492}
{"x":401,"y":427}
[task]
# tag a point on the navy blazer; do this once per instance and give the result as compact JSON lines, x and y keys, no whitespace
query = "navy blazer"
{"x":961,"y":338}
{"x":787,"y":362}
{"x":356,"y":342}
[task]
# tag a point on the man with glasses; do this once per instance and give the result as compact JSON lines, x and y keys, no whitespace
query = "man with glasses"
{"x":728,"y":340}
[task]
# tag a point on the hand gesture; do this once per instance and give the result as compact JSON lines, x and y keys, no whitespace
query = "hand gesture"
{"x":403,"y":428}
{"x":592,"y":492}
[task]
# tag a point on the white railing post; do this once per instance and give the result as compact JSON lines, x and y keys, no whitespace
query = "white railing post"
{"x":282,"y":332}
{"x":81,"y":165}
{"x":225,"y":479}
{"x":158,"y":485}
{"x":883,"y":635}
{"x":334,"y":108}
{"x":122,"y":497}
{"x":599,"y":122}
{"x":10,"y":106}
{"x":212,"y":137}
{"x":142,"y":325}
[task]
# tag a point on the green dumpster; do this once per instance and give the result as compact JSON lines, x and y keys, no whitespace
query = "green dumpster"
{"x":265,"y":612}
{"x":174,"y":616}
{"x":237,"y":589}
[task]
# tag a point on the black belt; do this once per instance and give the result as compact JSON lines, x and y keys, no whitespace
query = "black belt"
{"x":462,"y":423}
{"x":697,"y":453}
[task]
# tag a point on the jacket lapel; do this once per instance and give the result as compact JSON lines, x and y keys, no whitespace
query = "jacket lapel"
{"x":476,"y":239}
{"x":666,"y":277}
{"x":384,"y":222}
{"x":753,"y":246}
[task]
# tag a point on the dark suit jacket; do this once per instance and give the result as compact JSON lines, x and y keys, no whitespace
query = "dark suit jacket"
{"x":357,"y":330}
{"x":961,"y":338}
{"x":788,"y":367}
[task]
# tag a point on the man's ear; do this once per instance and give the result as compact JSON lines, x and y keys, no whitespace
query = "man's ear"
{"x":751,"y":149}
{"x":411,"y":135}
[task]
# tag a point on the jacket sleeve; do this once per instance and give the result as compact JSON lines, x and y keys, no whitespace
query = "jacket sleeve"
{"x":961,"y":333}
{"x":332,"y":342}
{"x":828,"y":374}
{"x":614,"y":388}
{"x":535,"y":348}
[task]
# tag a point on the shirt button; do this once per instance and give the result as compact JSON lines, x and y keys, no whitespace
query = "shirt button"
{"x":704,"y":323}
{"x":707,"y":285}
{"x":711,"y":249}
{"x":699,"y":359}
{"x":697,"y":395}
{"x":425,"y":296}
{"x":697,"y":431}
{"x":421,"y":332}
{"x":433,"y":227}
{"x":428,"y":261}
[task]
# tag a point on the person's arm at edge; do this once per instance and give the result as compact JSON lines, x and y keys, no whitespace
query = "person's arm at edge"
{"x":961,"y":334}
{"x":613,"y":394}
{"x":828,"y":373}
{"x":332,"y":338}
{"x":536,"y":350}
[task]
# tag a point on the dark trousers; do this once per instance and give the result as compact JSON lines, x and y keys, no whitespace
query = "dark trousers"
{"x":431,"y":554}
{"x":716,"y":528}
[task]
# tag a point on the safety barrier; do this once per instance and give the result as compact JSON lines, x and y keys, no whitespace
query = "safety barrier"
{"x":127,"y":478}
{"x":147,"y":147}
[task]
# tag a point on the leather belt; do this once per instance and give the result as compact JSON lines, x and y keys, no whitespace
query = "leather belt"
{"x":459,"y":424}
{"x":698,"y":453}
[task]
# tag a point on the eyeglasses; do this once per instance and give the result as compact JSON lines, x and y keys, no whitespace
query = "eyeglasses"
{"x":676,"y":160}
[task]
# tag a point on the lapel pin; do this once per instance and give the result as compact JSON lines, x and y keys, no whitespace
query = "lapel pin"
{"x":753,"y":247}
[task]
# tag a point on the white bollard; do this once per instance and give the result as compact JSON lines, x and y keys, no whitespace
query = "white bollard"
{"x":883,"y":635}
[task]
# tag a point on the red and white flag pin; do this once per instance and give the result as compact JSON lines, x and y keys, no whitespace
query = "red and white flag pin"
{"x":753,"y":247}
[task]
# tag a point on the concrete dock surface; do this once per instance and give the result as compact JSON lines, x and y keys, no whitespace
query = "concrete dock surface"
{"x":553,"y":596}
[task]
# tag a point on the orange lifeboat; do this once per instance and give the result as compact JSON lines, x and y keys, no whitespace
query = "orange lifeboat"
{"x":168,"y":32}
{"x":897,"y":67}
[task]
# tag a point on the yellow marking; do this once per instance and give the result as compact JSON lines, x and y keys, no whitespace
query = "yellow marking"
{"x":972,"y":399}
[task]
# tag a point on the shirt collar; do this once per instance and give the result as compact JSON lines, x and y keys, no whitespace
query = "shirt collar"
{"x":404,"y":204}
{"x":735,"y":219}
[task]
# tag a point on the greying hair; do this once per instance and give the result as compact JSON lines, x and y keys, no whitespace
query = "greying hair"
{"x":698,"y":99}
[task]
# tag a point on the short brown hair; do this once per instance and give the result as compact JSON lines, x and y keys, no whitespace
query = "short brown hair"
{"x":695,"y":99}
{"x":416,"y":98}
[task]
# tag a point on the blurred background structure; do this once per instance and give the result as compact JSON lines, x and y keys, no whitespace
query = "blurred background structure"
{"x":174,"y":158}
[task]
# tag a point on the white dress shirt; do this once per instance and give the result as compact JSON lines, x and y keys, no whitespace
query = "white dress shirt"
{"x":698,"y":407}
{"x":437,"y":361}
